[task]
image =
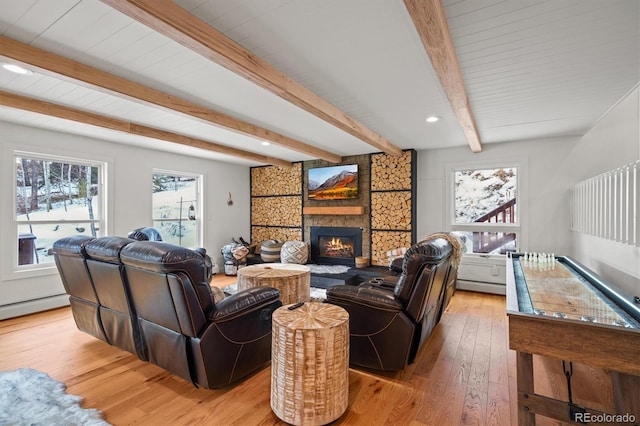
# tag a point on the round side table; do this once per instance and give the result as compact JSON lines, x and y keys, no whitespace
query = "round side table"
{"x":310,"y":363}
{"x":293,"y":281}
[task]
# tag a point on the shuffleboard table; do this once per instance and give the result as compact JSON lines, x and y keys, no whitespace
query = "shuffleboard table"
{"x":560,"y":309}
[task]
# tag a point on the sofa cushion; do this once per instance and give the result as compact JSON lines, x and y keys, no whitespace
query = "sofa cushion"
{"x":107,"y":249}
{"x":270,"y":251}
{"x":145,"y":234}
{"x":294,"y":252}
{"x":396,"y":254}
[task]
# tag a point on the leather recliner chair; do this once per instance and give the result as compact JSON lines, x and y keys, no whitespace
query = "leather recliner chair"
{"x":391,"y":317}
{"x":183,"y":330}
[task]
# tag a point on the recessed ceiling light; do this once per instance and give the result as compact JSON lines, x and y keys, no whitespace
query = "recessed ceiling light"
{"x":433,"y":119}
{"x":17,"y":69}
{"x":265,"y":143}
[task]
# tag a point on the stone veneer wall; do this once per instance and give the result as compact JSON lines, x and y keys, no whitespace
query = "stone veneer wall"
{"x":358,"y":221}
{"x":386,"y":190}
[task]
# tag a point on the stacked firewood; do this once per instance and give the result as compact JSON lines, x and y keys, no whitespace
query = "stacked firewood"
{"x":391,"y":217}
{"x":391,"y":210}
{"x":274,"y":180}
{"x":391,"y":173}
{"x":384,"y":241}
{"x":277,"y":211}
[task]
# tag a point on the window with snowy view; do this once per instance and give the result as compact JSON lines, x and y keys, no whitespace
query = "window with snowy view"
{"x":485,"y":209}
{"x":55,"y":198}
{"x":175,"y":208}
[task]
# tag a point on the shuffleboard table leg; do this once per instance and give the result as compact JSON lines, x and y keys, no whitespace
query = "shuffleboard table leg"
{"x":524,"y":366}
{"x":626,"y":388}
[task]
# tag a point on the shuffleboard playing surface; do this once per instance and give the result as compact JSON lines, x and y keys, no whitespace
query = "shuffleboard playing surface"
{"x":556,"y":291}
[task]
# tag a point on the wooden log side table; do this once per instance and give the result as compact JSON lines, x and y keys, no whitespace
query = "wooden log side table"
{"x":293,"y":281}
{"x":310,"y":363}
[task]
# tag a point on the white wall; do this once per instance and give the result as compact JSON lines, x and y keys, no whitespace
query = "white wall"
{"x":544,"y":182}
{"x":614,"y":141}
{"x":554,"y":167}
{"x":130,"y":206}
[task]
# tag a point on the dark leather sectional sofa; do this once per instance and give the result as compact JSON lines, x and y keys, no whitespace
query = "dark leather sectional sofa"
{"x":153,"y":299}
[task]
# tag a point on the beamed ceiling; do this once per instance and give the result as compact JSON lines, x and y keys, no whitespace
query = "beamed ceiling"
{"x":316,"y":78}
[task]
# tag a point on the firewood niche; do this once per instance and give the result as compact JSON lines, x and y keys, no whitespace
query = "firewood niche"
{"x":386,"y":210}
{"x":334,"y":210}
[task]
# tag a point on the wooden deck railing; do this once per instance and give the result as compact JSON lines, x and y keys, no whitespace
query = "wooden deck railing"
{"x":488,"y":241}
{"x":501,"y":214}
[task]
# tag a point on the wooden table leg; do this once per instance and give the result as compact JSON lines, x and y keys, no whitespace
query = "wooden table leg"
{"x":524,"y":366}
{"x":626,"y":388}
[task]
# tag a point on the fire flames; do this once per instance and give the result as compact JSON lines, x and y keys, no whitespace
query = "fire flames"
{"x":336,"y":244}
{"x":335,"y":247}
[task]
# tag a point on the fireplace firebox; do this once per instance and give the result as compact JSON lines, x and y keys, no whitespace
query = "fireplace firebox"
{"x":335,"y":245}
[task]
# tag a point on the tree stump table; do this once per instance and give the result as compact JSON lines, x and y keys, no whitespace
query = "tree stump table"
{"x":310,"y":363}
{"x":293,"y":281}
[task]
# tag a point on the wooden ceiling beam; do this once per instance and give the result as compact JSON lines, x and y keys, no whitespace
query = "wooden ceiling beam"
{"x":58,"y":66}
{"x":171,"y":20}
{"x":47,"y":108}
{"x":430,"y":21}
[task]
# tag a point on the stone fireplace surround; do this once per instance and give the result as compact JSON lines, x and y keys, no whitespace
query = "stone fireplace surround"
{"x":354,"y":275}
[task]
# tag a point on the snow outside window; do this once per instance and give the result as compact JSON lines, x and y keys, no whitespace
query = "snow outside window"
{"x":176,"y":211}
{"x":55,"y":197}
{"x":486,"y":209}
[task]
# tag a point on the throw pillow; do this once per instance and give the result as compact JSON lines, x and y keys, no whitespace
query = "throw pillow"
{"x":396,"y":254}
{"x":294,"y":252}
{"x":218,"y":294}
{"x":240,"y":252}
{"x":270,"y":251}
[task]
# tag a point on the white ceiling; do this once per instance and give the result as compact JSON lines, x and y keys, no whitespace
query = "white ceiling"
{"x":533,"y":69}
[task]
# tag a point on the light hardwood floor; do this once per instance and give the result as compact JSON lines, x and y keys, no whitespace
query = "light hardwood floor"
{"x":464,"y":375}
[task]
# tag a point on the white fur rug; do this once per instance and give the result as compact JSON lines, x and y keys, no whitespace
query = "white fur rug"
{"x":316,"y":294}
{"x":328,"y":269}
{"x":30,"y":397}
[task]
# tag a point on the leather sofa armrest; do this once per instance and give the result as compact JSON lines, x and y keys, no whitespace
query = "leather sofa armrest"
{"x":241,"y":303}
{"x":208,"y":263}
{"x":369,"y":296}
{"x":387,"y":282}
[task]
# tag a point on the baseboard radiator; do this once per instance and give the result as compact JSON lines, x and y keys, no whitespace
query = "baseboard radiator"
{"x":32,"y":306}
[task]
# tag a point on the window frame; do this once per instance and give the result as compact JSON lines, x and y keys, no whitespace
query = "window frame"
{"x":11,"y":268}
{"x":199,"y":198}
{"x":518,"y":227}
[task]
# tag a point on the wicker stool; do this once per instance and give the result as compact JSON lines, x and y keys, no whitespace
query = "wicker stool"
{"x":310,"y":363}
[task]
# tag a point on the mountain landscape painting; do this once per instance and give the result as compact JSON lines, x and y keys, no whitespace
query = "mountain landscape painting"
{"x":333,"y":183}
